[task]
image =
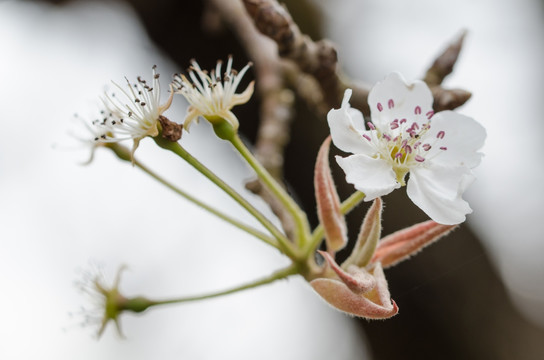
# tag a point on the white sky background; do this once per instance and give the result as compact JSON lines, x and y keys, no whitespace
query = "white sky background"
{"x":501,"y":64}
{"x":55,"y":215}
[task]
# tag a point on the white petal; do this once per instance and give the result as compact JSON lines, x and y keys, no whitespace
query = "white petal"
{"x":463,"y":136}
{"x":347,"y":127}
{"x":437,"y":191}
{"x":374,"y":177}
{"x":399,"y":100}
{"x":357,"y":119}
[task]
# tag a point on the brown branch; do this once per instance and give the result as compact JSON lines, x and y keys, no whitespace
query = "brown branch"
{"x":318,"y":59}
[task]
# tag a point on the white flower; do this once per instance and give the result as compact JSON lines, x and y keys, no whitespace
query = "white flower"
{"x":104,"y":299}
{"x":406,"y":136}
{"x":133,"y":116}
{"x":88,"y":135}
{"x":212,"y":95}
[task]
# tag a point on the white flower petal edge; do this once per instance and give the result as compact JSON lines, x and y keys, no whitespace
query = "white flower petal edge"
{"x":406,"y":136}
{"x":347,"y":127}
{"x":393,"y":98}
{"x":438,"y":191}
{"x":462,"y":137}
{"x":373,"y":177}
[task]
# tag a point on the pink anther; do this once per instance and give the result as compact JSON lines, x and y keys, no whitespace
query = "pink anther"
{"x":417,"y":110}
{"x":390,"y":103}
{"x":380,"y":107}
{"x":366,"y":137}
{"x":419,"y":158}
{"x":440,"y":134}
{"x":426,"y":147}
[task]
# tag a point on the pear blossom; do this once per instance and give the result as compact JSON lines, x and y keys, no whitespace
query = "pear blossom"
{"x":212,"y":95}
{"x":103,"y":298}
{"x":133,"y":116}
{"x":358,"y":286}
{"x":406,"y":136}
{"x":87,"y":134}
{"x":108,"y":301}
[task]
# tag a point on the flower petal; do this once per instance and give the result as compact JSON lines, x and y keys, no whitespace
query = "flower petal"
{"x":374,"y":177}
{"x":192,"y":115}
{"x":393,"y":98}
{"x":328,"y":202}
{"x":342,"y":298}
{"x":460,"y":135}
{"x":404,"y":243}
{"x":437,"y":190}
{"x":239,"y":99}
{"x":347,"y":128}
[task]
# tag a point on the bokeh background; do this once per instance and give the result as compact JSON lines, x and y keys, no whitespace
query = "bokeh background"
{"x":477,"y":294}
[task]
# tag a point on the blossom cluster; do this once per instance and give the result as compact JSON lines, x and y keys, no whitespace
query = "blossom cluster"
{"x":137,"y":112}
{"x":404,"y":143}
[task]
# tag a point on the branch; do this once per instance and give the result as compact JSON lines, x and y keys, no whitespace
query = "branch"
{"x":320,"y":60}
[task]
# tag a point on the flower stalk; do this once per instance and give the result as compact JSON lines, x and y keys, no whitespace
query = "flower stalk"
{"x":280,"y":274}
{"x":177,"y":149}
{"x":302,"y":228}
{"x":124,"y":154}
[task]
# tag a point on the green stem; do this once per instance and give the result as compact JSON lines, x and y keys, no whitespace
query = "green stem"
{"x":181,"y":152}
{"x":301,"y":221}
{"x":281,"y":274}
{"x":124,"y":154}
{"x":346,"y":206}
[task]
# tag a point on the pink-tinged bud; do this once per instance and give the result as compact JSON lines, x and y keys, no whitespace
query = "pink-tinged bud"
{"x":328,"y":202}
{"x":368,"y":238}
{"x":404,"y":243}
{"x":357,"y":280}
{"x":375,"y":304}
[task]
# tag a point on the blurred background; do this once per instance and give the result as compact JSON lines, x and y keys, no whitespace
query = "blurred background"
{"x":478,"y":294}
